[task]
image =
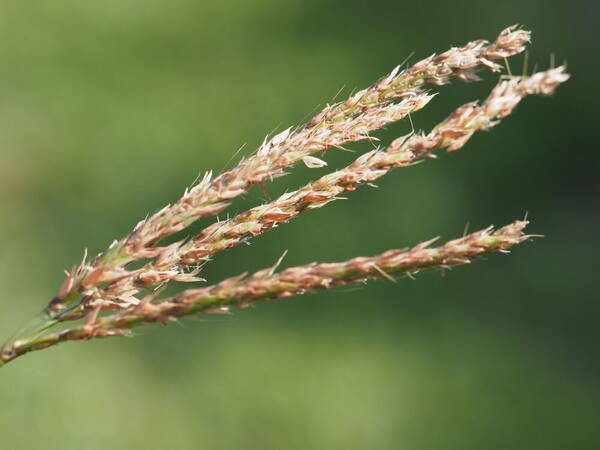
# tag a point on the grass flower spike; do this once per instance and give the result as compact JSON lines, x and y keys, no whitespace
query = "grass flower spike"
{"x":107,"y":297}
{"x":266,"y":284}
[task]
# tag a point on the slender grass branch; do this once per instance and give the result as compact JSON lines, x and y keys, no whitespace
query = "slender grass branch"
{"x":108,"y":296}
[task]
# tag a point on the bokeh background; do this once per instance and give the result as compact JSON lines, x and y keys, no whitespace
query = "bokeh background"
{"x":109,"y":109}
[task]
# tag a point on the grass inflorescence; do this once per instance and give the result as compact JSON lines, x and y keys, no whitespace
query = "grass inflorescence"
{"x":106,"y":297}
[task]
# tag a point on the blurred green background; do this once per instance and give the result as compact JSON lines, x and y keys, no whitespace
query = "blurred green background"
{"x":109,"y":109}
